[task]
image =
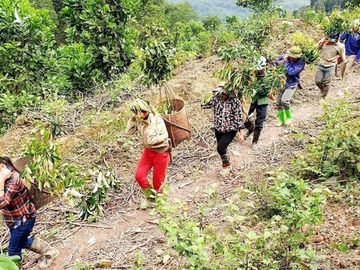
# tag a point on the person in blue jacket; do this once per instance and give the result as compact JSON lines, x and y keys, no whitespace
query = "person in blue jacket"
{"x":352,"y":47}
{"x":294,"y":66}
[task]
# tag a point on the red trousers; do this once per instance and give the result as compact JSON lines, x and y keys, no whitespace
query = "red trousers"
{"x":156,"y":161}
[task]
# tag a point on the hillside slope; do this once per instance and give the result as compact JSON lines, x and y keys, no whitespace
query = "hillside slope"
{"x":127,"y":232}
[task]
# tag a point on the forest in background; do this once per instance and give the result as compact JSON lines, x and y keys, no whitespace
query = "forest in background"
{"x":227,"y":8}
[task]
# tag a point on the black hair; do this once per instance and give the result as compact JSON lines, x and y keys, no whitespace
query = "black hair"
{"x":7,"y":161}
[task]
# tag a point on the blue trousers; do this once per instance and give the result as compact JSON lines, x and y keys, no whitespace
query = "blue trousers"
{"x":19,"y":237}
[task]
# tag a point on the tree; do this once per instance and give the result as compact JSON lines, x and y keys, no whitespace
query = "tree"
{"x":211,"y":23}
{"x":102,"y":26}
{"x":179,"y":13}
{"x":329,"y":5}
{"x":256,"y":5}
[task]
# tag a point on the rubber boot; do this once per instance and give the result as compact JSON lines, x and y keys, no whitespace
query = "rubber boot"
{"x":149,"y":199}
{"x":281,"y":117}
{"x":48,"y":253}
{"x":288,"y":117}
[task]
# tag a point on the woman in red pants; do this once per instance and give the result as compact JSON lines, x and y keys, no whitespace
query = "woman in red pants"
{"x":156,"y":154}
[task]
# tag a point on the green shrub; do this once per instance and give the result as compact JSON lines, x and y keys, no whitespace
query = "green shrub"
{"x":157,"y":61}
{"x":211,"y":23}
{"x":96,"y":195}
{"x":102,"y":26}
{"x":256,"y":30}
{"x":77,"y":65}
{"x":336,"y":150}
{"x":11,"y":106}
{"x":244,"y":239}
{"x":26,"y":46}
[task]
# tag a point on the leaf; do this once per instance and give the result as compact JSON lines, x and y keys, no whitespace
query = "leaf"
{"x":7,"y":263}
{"x":251,"y":235}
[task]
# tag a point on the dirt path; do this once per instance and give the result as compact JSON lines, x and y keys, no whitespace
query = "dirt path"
{"x":129,"y":230}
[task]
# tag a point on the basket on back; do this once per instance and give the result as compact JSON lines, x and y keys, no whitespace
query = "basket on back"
{"x":176,"y":121}
{"x":38,"y":197}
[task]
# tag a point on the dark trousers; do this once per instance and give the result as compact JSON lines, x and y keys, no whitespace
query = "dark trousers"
{"x":261,"y":113}
{"x":223,"y":141}
{"x":19,"y":237}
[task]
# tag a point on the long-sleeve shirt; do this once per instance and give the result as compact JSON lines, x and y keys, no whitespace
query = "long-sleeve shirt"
{"x":227,"y":114}
{"x":15,"y":203}
{"x":153,"y":132}
{"x":352,"y":44}
{"x":293,"y":70}
{"x":330,"y":53}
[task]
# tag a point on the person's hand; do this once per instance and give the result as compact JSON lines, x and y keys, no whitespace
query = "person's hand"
{"x":356,"y":63}
{"x":283,"y":61}
{"x":241,"y":137}
{"x":5,"y":174}
{"x":324,"y":41}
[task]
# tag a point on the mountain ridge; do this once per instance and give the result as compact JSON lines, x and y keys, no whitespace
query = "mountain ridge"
{"x":223,"y":8}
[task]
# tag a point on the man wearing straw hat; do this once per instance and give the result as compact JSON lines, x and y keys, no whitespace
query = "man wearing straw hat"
{"x":352,"y":48}
{"x":332,"y":52}
{"x":294,"y":66}
{"x":156,"y":153}
{"x":227,"y":122}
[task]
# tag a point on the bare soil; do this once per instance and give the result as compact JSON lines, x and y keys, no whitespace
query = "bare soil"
{"x":126,"y":230}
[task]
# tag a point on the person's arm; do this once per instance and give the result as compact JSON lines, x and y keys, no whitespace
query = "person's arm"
{"x":322,"y":43}
{"x":131,"y":126}
{"x":342,"y":54}
{"x":295,"y":69}
{"x":280,"y":61}
{"x":344,"y":36}
{"x":357,"y":58}
{"x":5,"y":174}
{"x":8,"y":194}
{"x":209,"y":104}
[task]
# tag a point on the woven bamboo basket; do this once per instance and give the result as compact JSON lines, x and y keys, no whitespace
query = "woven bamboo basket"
{"x":177,"y":123}
{"x":39,"y":198}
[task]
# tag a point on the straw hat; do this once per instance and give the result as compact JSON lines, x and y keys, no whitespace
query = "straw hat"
{"x":356,"y":23}
{"x":295,"y":52}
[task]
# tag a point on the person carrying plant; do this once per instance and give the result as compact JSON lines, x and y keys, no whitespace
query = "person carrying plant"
{"x":227,"y":122}
{"x":156,"y":143}
{"x":352,"y":49}
{"x":294,"y":65}
{"x":332,"y":52}
{"x":19,"y":214}
{"x":259,"y":103}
